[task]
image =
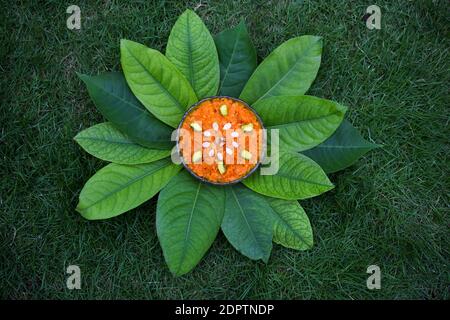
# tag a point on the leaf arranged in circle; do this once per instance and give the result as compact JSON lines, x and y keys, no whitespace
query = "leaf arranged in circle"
{"x":117,"y":188}
{"x":156,"y":82}
{"x":188,"y":217}
{"x":298,"y":177}
{"x":248,"y":222}
{"x":341,"y":150}
{"x":105,"y":142}
{"x":114,"y":99}
{"x":191,"y":49}
{"x":303,"y":121}
{"x":292,"y":228}
{"x":288,"y":71}
{"x":237,"y":58}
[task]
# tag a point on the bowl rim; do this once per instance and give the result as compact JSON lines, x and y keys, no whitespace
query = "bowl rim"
{"x":194,"y":106}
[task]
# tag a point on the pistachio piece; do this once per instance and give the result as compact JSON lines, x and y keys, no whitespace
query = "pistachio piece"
{"x":197,"y":156}
{"x":221,"y":167}
{"x":223,"y":110}
{"x":247,"y":127}
{"x":196,"y":126}
{"x":246,"y":154}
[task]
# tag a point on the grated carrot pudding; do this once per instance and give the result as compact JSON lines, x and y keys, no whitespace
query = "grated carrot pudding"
{"x":220,"y":140}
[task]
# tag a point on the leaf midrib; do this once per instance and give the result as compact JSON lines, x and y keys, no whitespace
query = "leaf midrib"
{"x":290,"y":177}
{"x":345,"y":147}
{"x":168,"y":93}
{"x":286,"y":124}
{"x":285,"y":222}
{"x":188,"y":229}
{"x":246,"y":221}
{"x":110,"y":141}
{"x":129,"y":183}
{"x":229,"y":63}
{"x":284,"y":76}
{"x":190,"y":59}
{"x":122,"y":99}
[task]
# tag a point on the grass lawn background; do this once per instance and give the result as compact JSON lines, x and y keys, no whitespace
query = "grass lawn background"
{"x":390,"y":209}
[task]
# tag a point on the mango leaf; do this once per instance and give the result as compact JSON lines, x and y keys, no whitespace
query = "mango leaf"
{"x":341,"y":150}
{"x":118,"y":188}
{"x":298,"y":177}
{"x":292,"y":228}
{"x":188,"y":218}
{"x":303,"y":121}
{"x":114,"y":99}
{"x":237,"y":58}
{"x":248,"y":222}
{"x":288,"y":71}
{"x":191,"y":49}
{"x":156,"y":82}
{"x":105,"y":142}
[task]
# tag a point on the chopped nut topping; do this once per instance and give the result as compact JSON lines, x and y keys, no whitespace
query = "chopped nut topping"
{"x":221,"y":167}
{"x":196,"y":127}
{"x":247,"y":127}
{"x":197,"y":156}
{"x":224,"y":110}
{"x":246,"y":154}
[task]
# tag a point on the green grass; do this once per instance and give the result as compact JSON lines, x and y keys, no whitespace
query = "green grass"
{"x":390,"y":209}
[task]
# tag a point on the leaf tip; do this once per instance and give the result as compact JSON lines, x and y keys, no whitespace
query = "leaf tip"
{"x":125,"y":42}
{"x":342,"y":108}
{"x":188,"y":12}
{"x":83,"y":77}
{"x":377,"y":145}
{"x":79,"y":209}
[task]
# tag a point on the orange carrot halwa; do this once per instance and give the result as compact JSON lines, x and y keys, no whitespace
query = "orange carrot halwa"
{"x":220,"y":140}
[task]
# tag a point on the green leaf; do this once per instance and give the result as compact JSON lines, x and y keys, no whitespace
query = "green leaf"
{"x":292,"y":228}
{"x":188,"y":218}
{"x":114,"y":99}
{"x":248,"y":222}
{"x":288,"y":71}
{"x":191,"y":49}
{"x":118,"y":188}
{"x":303,"y":121}
{"x":341,"y":150}
{"x":237,"y":58}
{"x":105,"y":142}
{"x":156,"y":82}
{"x":298,"y":177}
